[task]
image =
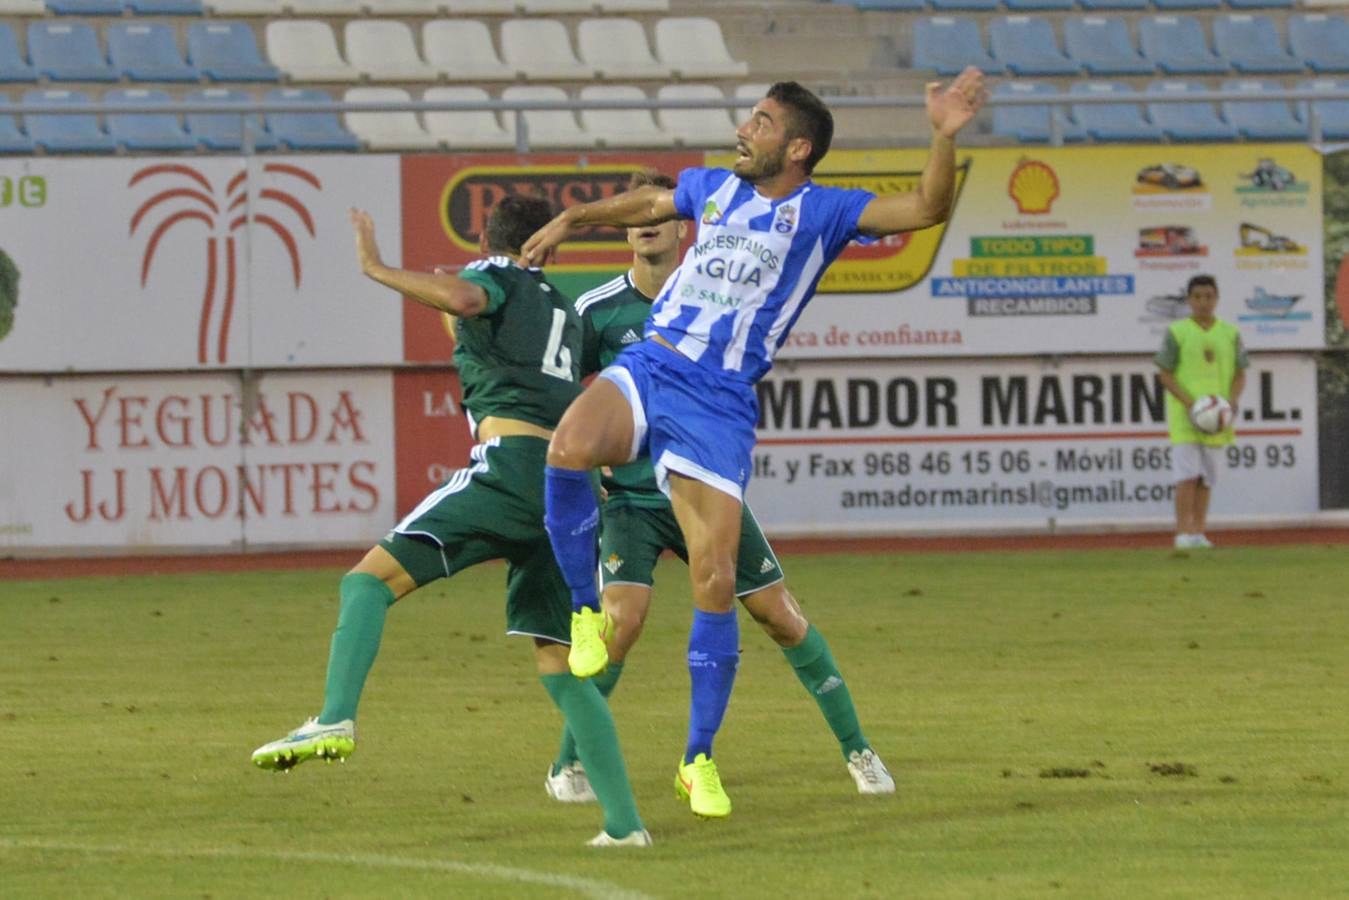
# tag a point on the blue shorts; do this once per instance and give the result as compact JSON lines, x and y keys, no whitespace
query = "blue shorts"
{"x":686,"y":418}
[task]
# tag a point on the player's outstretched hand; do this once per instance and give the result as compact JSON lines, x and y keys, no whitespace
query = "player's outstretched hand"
{"x":367,"y":251}
{"x":543,"y":242}
{"x":951,"y":108}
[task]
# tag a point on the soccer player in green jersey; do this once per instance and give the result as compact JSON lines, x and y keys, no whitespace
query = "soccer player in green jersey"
{"x":638,"y":524}
{"x":517,"y":351}
{"x":1200,"y":355}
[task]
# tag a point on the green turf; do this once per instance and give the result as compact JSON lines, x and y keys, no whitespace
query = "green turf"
{"x":128,"y":708}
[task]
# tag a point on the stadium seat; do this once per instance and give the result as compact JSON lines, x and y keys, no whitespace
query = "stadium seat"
{"x":693,"y":47}
{"x":751,"y":91}
{"x":1101,"y":45}
{"x":323,"y":7}
{"x":1037,"y":5}
{"x":1320,"y":41}
{"x":888,"y":5}
{"x":1251,"y":44}
{"x":1112,"y":121}
{"x":67,"y":51}
{"x":85,"y":7}
{"x":615,"y":7}
{"x":481,"y":7}
{"x":555,"y":7}
{"x":1026,"y":46}
{"x":1031,"y":124}
{"x":241,"y":7}
{"x":384,"y":50}
{"x":1261,"y":119}
{"x":1188,"y":4}
{"x":13,"y":67}
{"x":547,"y":127}
{"x":307,"y":130}
{"x":617,"y":48}
{"x":224,"y":130}
{"x":165,"y":7}
{"x":403,"y":7}
{"x":12,"y":138}
{"x":622,"y":127}
{"x":462,"y":49}
{"x":1333,"y":114}
{"x":57,"y":133}
{"x":964,"y":5}
{"x":946,"y":45}
{"x":227,"y":51}
{"x":696,"y":127}
{"x":145,"y":131}
{"x":466,"y":129}
{"x":541,"y":50}
{"x":1187,"y":121}
{"x":22,"y":8}
{"x":147,"y":52}
{"x":1261,"y":4}
{"x":386,"y":130}
{"x":306,"y":50}
{"x":1177,"y":45}
{"x":1113,"y":4}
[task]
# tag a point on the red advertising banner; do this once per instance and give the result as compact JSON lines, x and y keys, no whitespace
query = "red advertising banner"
{"x":432,"y":437}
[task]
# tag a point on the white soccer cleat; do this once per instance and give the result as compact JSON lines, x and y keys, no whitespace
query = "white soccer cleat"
{"x":1185,"y":542}
{"x":640,"y":838}
{"x":870,"y":773}
{"x":569,"y":784}
{"x":310,"y":741}
{"x":1201,"y":542}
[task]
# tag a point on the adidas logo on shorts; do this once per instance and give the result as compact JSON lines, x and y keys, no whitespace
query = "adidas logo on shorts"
{"x":767,"y":566}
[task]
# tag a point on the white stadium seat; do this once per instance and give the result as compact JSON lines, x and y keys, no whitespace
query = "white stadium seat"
{"x":617,"y":48}
{"x":609,"y":7}
{"x":384,"y":50}
{"x":404,"y":7}
{"x":622,"y":127}
{"x":241,"y":7}
{"x":462,"y":49}
{"x":546,"y":128}
{"x":22,"y":7}
{"x":466,"y":129}
{"x":306,"y":50}
{"x":386,"y":130}
{"x":694,"y":48}
{"x":323,"y":7}
{"x":556,"y":7}
{"x":541,"y":49}
{"x":480,"y":7}
{"x":696,"y":127}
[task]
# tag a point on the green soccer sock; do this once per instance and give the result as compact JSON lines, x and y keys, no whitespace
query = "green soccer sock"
{"x":815,"y":666}
{"x":360,"y":624}
{"x":587,"y":715}
{"x":606,"y":681}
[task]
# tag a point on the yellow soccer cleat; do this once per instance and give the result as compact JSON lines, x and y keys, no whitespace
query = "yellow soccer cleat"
{"x":699,"y":783}
{"x":310,"y":741}
{"x":589,"y":654}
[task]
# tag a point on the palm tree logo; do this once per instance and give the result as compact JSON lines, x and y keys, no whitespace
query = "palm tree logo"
{"x":194,"y":199}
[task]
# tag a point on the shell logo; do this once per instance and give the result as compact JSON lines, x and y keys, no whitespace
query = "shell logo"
{"x":1033,"y":187}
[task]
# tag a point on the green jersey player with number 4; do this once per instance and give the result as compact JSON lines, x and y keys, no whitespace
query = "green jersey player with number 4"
{"x":518,"y":349}
{"x":638,"y":524}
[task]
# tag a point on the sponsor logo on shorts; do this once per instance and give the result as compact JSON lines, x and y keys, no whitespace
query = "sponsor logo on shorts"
{"x":767,"y":566}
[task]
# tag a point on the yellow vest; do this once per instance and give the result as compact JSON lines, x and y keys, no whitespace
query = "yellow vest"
{"x":1206,"y":364}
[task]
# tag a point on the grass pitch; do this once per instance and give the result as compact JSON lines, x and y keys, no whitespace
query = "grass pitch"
{"x":1089,"y":724}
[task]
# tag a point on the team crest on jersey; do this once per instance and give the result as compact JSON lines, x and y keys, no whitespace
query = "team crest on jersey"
{"x":711,"y":214}
{"x":613,"y":563}
{"x":784,"y":222}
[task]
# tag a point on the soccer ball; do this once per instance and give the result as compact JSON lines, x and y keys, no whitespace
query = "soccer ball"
{"x":1211,"y":414}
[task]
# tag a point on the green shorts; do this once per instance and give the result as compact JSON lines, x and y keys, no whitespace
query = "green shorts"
{"x":632,"y":538}
{"x":493,"y":509}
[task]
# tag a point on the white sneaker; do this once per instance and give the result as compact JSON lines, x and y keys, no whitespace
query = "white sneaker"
{"x":569,"y":785}
{"x":1201,"y":542}
{"x":310,"y":741}
{"x":640,"y":838}
{"x":870,"y":773}
{"x":1185,"y":542}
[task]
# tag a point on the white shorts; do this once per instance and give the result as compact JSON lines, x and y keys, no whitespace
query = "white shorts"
{"x":1191,"y":461}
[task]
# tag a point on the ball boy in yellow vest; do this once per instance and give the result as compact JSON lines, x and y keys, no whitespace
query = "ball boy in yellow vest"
{"x":1201,"y":355}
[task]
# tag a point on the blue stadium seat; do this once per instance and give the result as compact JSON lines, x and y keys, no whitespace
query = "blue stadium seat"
{"x":1114,"y":4}
{"x":67,"y":51}
{"x":1320,"y":41}
{"x":1177,"y":45}
{"x":1026,"y":46}
{"x":1188,"y":4}
{"x":1263,"y":119}
{"x":964,"y":5}
{"x":145,"y":131}
{"x":224,"y":131}
{"x":1334,"y":114}
{"x":1188,"y":121}
{"x":147,"y":52}
{"x":308,"y":130}
{"x":61,"y":133}
{"x":13,"y":67}
{"x":1112,"y":121}
{"x":1032,"y":5}
{"x":1031,"y":123}
{"x":228,"y":51}
{"x":12,"y":139}
{"x":166,"y":7}
{"x":946,"y":45}
{"x":1101,"y":45}
{"x":85,"y":7}
{"x":1261,"y":4}
{"x":1251,"y":44}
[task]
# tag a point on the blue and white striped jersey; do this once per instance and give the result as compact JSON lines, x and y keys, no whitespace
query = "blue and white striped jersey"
{"x":751,"y":270}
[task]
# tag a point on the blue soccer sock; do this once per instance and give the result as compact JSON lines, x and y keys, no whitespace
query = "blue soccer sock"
{"x":714,"y":655}
{"x":572,"y":517}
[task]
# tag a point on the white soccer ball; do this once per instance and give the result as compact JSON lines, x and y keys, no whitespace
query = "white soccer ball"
{"x":1211,"y":414}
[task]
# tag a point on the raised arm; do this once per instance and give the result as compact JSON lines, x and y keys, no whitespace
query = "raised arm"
{"x":438,"y":290}
{"x":646,"y":205}
{"x":948,"y":110}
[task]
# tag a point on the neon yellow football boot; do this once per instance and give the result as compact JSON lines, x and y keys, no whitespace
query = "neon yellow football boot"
{"x":699,"y":783}
{"x":589,"y":654}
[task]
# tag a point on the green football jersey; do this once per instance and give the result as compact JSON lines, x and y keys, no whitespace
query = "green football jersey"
{"x":520,"y":357}
{"x":613,"y":316}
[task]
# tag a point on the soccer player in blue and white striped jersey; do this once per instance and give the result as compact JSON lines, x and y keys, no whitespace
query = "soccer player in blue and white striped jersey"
{"x":685,"y":395}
